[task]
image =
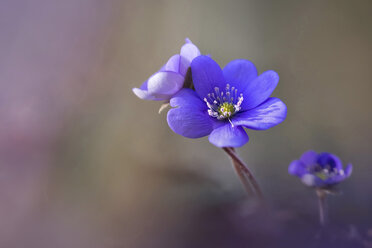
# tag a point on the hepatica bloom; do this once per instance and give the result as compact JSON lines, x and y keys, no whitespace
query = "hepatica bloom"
{"x":225,"y":102}
{"x":171,"y":77}
{"x":319,"y":170}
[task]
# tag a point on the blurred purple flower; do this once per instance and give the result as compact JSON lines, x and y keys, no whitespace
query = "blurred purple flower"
{"x":171,"y":77}
{"x":319,"y":170}
{"x":225,"y":101}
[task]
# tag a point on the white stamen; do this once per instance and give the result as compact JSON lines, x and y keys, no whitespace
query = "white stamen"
{"x":232,"y":125}
{"x":217,"y":98}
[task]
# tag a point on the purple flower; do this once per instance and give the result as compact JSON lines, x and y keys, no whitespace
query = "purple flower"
{"x":170,"y":78}
{"x":225,"y":101}
{"x":319,"y":170}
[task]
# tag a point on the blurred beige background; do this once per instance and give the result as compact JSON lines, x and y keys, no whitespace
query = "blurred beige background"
{"x":84,"y":163}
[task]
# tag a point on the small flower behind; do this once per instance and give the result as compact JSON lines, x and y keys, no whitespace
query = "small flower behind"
{"x":321,"y":170}
{"x":171,"y":77}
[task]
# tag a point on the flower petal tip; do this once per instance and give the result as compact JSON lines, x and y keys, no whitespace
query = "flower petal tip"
{"x":348,"y":170}
{"x":139,"y":93}
{"x":228,"y":136}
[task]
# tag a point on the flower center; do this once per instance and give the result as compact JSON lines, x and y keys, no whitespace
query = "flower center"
{"x":223,"y":104}
{"x":325,"y":172}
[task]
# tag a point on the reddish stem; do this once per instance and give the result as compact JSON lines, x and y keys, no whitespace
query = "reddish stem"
{"x":242,"y":170}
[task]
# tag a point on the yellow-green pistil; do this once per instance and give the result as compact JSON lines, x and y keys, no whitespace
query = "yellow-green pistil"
{"x":226,"y":109}
{"x":322,"y":175}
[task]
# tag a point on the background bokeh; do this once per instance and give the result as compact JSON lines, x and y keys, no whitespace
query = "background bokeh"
{"x":85,"y":163}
